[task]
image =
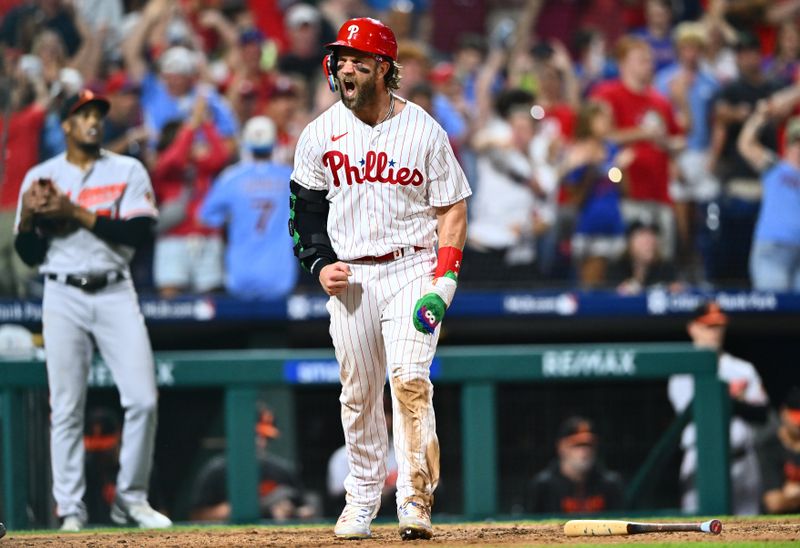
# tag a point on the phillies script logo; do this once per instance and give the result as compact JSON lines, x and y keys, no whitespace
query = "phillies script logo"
{"x":377,"y":169}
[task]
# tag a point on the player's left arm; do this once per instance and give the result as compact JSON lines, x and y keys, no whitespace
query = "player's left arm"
{"x":452,"y":230}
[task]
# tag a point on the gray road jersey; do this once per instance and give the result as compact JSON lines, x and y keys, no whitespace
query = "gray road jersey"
{"x":115,"y":186}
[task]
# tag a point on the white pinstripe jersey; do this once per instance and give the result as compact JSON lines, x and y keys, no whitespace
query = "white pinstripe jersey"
{"x":382,"y":182}
{"x":115,"y":186}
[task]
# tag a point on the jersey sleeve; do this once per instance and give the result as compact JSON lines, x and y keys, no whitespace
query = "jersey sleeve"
{"x":308,"y":170}
{"x":138,"y":199}
{"x":447,"y":183}
{"x":680,"y":390}
{"x":215,"y":207}
{"x":755,"y":393}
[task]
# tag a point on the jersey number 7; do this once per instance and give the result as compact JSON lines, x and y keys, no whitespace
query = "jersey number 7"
{"x":264,"y":208}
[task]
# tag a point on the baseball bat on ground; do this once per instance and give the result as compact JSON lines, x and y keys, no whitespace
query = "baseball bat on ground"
{"x":603,"y":527}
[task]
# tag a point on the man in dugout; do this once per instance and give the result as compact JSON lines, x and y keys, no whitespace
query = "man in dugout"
{"x":575,"y":482}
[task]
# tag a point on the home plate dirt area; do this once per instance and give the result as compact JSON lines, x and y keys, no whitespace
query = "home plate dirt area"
{"x":735,"y":532}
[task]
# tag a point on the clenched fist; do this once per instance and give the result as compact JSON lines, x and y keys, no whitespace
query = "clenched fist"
{"x":334,"y":278}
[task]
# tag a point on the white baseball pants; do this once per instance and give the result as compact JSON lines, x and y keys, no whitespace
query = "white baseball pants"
{"x":372,"y":332}
{"x":71,"y":319}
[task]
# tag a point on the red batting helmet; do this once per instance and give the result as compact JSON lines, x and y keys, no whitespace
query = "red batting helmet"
{"x":367,"y":34}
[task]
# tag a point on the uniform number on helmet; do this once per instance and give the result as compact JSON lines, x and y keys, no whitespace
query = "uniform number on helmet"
{"x":353,"y":30}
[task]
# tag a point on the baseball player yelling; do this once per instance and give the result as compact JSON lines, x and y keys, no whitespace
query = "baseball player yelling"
{"x":375,"y":188}
{"x":80,"y":216}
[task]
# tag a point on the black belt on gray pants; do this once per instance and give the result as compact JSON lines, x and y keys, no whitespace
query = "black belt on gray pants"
{"x":89,"y":282}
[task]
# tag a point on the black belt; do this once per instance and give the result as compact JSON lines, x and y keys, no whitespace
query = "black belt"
{"x":89,"y":282}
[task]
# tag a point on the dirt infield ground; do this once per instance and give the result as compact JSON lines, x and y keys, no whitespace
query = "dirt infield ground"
{"x":735,"y":532}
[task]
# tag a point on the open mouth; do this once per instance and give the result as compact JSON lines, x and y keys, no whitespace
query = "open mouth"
{"x":349,"y":88}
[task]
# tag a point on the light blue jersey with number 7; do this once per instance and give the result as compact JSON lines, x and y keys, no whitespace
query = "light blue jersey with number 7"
{"x":252,"y":199}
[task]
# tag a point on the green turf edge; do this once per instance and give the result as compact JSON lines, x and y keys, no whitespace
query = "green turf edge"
{"x":733,"y":544}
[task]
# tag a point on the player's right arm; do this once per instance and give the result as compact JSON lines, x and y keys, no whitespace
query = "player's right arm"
{"x":308,"y":216}
{"x":30,"y":244}
{"x":308,"y":222}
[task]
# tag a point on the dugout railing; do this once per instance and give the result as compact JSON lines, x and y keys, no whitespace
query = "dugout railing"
{"x":243,"y":375}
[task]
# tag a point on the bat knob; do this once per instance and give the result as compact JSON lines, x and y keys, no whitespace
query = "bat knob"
{"x":713,"y":526}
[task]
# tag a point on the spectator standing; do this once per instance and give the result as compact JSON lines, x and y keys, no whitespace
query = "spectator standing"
{"x":304,"y":29}
{"x":658,"y":32}
{"x":575,"y":482}
{"x":24,"y":103}
{"x":124,"y":131}
{"x":707,"y":331}
{"x":779,"y":457}
{"x":188,"y":255}
{"x":251,"y":199}
{"x":719,"y":57}
{"x":691,"y":90}
{"x":104,"y":17}
{"x":643,"y":119}
{"x":592,"y":172}
{"x":500,"y":236}
{"x":249,"y":82}
{"x":416,"y":64}
{"x":775,"y":254}
{"x":467,"y":60}
{"x":592,"y":63}
{"x":287,"y":112}
{"x":781,"y":67}
{"x":172,"y":93}
{"x":23,"y":22}
{"x":741,"y":188}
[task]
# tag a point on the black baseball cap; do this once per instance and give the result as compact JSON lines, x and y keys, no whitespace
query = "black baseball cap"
{"x":710,"y":313}
{"x":792,"y":400}
{"x":792,"y":404}
{"x":577,"y":431}
{"x":76,"y":102}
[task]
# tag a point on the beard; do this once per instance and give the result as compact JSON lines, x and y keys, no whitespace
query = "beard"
{"x":92,"y":149}
{"x":365,"y":94}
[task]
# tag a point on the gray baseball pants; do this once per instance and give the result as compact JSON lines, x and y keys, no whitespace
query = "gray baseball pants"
{"x":111,"y":317}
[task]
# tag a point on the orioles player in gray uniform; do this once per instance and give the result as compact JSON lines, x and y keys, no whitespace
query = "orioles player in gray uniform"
{"x":375,"y":188}
{"x":81,"y":215}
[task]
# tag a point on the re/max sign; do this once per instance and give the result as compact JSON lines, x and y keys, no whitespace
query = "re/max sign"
{"x":589,"y":363}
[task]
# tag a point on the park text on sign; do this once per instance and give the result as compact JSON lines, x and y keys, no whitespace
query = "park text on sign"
{"x":589,"y":363}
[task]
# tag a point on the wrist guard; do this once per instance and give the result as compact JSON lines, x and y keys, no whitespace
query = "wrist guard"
{"x":429,"y":310}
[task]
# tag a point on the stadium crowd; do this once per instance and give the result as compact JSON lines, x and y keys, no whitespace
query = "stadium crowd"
{"x":602,"y":139}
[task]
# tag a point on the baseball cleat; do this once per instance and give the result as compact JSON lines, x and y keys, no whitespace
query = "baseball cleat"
{"x":415,"y":521}
{"x":72,"y":524}
{"x":354,"y":521}
{"x":141,"y":514}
